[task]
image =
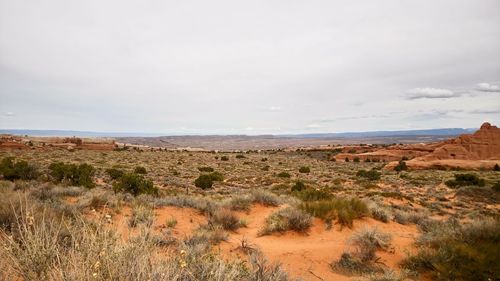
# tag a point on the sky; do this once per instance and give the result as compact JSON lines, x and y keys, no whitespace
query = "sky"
{"x":249,"y":67}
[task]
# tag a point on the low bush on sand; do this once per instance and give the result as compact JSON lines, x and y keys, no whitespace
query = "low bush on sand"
{"x":225,"y":218}
{"x":287,"y":219}
{"x":362,"y":257}
{"x":343,"y":210}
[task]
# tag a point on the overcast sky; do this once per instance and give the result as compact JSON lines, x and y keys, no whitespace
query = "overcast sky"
{"x":251,"y":67}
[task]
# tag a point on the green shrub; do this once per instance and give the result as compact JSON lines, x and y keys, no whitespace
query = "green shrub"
{"x":298,"y":186}
{"x":312,"y":194}
{"x":11,"y":170}
{"x":287,"y":219}
{"x":369,"y":175}
{"x":140,"y":170}
{"x":465,"y":180}
{"x":80,"y":175}
{"x":114,"y":173}
{"x":401,"y":166}
{"x":355,"y":160}
{"x":457,"y":251}
{"x":204,"y":182}
{"x":344,"y":210}
{"x":135,"y":184}
{"x":206,"y":169}
{"x":284,"y":175}
{"x":216,"y":176}
{"x":305,"y":170}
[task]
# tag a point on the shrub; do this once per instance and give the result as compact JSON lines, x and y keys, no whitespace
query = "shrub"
{"x":401,"y":166}
{"x":344,"y":210}
{"x":266,"y":168}
{"x":216,"y":176}
{"x":141,"y":215}
{"x":206,"y":169}
{"x":114,"y":173}
{"x":496,"y":167}
{"x":240,"y":156}
{"x":284,"y":175}
{"x":305,"y":170}
{"x":312,"y":194}
{"x":456,"y":251}
{"x":240,"y":203}
{"x":80,"y":175}
{"x":465,"y":180}
{"x":224,"y":158}
{"x":367,"y":241}
{"x":380,"y":214}
{"x":362,"y":258}
{"x":286,"y":219}
{"x":140,"y":170}
{"x":135,"y":185}
{"x":265,"y":198}
{"x":171,"y":222}
{"x":370,"y":175}
{"x":204,"y":182}
{"x":355,"y":160}
{"x":347,"y":159}
{"x":298,"y":186}
{"x":12,"y":170}
{"x":226,"y":219}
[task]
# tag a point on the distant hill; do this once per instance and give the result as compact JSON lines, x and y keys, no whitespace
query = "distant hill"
{"x":430,"y":132}
{"x":347,"y":135}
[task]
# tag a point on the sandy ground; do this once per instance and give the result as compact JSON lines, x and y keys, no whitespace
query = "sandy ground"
{"x":308,"y":255}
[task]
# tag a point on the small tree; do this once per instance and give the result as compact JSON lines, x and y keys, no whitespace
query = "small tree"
{"x":135,"y":184}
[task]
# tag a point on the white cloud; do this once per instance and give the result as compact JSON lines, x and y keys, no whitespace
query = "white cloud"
{"x":313,"y":126}
{"x":274,"y":108}
{"x":487,"y":87}
{"x":430,"y":93}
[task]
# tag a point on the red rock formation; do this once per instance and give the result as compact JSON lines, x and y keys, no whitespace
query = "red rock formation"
{"x":476,"y":151}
